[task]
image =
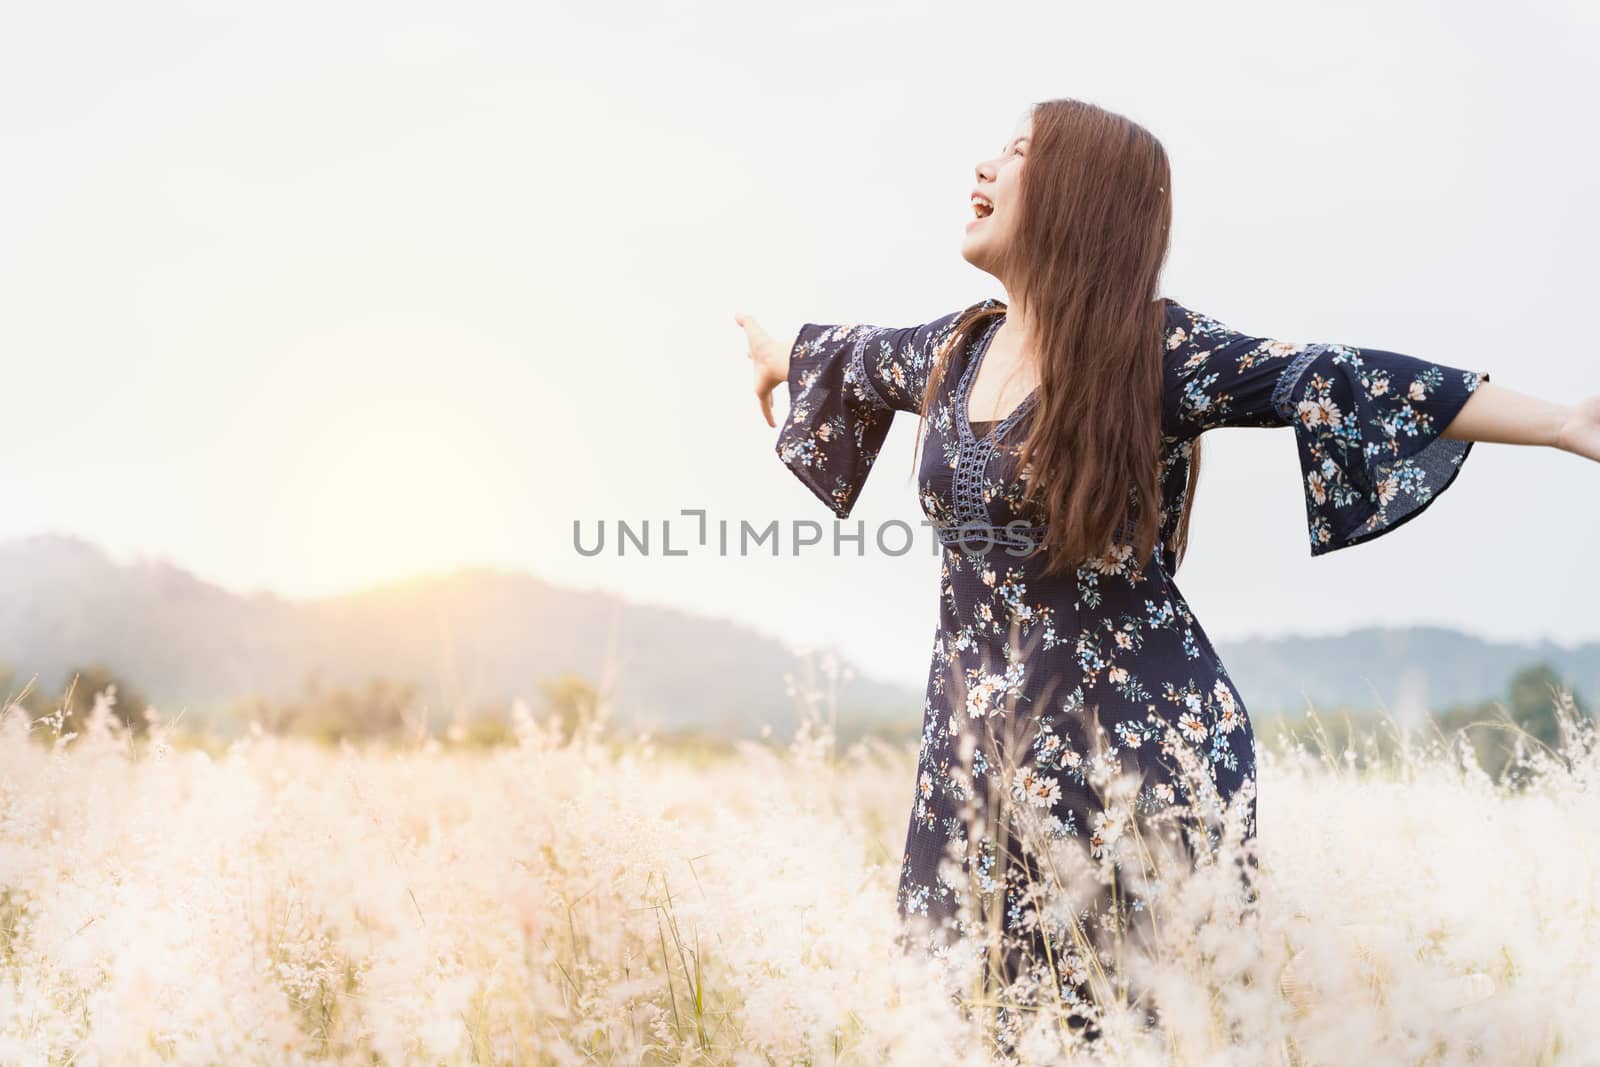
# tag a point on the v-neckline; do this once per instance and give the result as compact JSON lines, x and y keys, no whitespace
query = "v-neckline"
{"x":964,"y":392}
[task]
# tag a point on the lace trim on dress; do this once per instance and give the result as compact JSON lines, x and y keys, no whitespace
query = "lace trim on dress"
{"x":972,"y":464}
{"x":1290,"y":378}
{"x":861,"y":379}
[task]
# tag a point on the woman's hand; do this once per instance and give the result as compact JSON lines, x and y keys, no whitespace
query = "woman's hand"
{"x":1580,"y":431}
{"x":771,"y":359}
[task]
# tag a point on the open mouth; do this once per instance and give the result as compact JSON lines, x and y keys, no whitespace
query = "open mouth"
{"x":982,"y":208}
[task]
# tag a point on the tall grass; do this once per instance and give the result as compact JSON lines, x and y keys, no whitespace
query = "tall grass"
{"x":573,"y":901}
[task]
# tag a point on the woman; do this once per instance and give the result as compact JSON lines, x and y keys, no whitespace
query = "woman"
{"x":1066,"y":658}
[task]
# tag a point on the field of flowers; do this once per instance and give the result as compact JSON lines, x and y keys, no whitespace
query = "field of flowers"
{"x":567,"y":901}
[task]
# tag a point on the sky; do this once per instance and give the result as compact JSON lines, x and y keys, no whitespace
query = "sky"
{"x":309,"y":297}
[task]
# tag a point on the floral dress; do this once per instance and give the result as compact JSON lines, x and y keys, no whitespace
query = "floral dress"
{"x":1038,"y":685}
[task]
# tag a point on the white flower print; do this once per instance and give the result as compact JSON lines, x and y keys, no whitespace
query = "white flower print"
{"x":1104,"y":829}
{"x":1039,"y":790}
{"x":1319,"y":412}
{"x":1074,"y":970}
{"x":1114,"y":560}
{"x":983,"y":696}
{"x":1194,"y":730}
{"x":1317,"y":487}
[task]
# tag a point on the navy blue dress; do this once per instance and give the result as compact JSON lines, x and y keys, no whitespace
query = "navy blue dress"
{"x":1039,"y":686}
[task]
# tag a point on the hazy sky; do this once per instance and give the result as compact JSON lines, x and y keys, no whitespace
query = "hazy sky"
{"x":313,"y":296}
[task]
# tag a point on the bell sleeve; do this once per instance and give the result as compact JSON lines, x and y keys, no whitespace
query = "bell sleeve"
{"x":1368,"y":423}
{"x":845,"y":384}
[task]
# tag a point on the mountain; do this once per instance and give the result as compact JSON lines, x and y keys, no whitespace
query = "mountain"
{"x":1394,"y":669}
{"x":474,"y":638}
{"x":479,"y":638}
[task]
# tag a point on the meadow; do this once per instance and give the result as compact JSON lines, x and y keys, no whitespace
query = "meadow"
{"x":593,"y":899}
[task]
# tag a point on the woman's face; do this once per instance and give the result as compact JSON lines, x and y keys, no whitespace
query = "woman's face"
{"x":989,"y":231}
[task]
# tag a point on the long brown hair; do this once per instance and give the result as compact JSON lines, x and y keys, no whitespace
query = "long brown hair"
{"x":1094,"y":215}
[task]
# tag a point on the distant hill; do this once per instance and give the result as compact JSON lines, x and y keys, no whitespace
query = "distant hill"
{"x":481,"y":637}
{"x":1393,"y":669}
{"x":474,"y":638}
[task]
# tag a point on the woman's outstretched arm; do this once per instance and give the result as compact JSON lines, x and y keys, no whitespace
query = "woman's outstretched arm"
{"x":1504,"y":416}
